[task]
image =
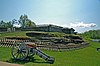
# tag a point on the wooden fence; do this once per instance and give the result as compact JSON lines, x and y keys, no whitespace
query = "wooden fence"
{"x":56,"y":47}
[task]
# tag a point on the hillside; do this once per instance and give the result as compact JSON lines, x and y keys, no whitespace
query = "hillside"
{"x":51,"y":40}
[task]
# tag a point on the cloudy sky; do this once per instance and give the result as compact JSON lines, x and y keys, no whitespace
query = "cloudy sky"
{"x":82,"y":15}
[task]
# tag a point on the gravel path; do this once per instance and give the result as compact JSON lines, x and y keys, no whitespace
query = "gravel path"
{"x":8,"y":64}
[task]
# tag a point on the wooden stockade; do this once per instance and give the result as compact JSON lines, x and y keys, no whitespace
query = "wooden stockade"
{"x":9,"y":42}
{"x":56,"y":47}
{"x":6,"y":43}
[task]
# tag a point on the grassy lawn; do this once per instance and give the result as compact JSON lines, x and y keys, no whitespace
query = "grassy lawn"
{"x":83,"y":57}
{"x":22,"y":33}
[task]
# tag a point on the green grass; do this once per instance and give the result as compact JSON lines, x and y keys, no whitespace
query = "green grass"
{"x":23,"y":34}
{"x":5,"y":54}
{"x":83,"y":57}
{"x":20,"y":33}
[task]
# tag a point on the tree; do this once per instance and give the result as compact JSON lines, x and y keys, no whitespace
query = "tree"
{"x":23,"y":19}
{"x":14,"y":21}
{"x":94,"y":34}
{"x":6,"y":24}
{"x":25,"y":22}
{"x":29,"y":23}
{"x":10,"y":25}
{"x":2,"y":23}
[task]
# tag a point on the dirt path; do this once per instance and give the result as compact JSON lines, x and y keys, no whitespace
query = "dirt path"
{"x":8,"y":64}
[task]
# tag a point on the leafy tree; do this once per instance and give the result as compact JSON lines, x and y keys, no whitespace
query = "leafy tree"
{"x":6,"y":24}
{"x":2,"y":23}
{"x":29,"y":23}
{"x":25,"y":22}
{"x":93,"y":34}
{"x":23,"y":19}
{"x":14,"y":21}
{"x":10,"y":25}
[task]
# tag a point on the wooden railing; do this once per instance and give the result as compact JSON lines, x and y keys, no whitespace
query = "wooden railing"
{"x":56,"y":47}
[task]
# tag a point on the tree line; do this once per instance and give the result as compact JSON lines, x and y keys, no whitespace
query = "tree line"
{"x":93,"y":34}
{"x":23,"y":21}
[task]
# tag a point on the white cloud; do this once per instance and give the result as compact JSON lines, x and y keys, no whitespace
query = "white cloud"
{"x":16,"y":25}
{"x":82,"y":27}
{"x":73,"y":25}
{"x":82,"y":24}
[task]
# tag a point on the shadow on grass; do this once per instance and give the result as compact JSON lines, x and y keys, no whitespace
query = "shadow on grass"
{"x":30,"y":59}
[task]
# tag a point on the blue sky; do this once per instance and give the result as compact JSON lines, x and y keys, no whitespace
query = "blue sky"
{"x":82,"y":15}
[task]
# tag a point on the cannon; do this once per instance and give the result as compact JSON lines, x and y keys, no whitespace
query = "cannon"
{"x":22,"y":50}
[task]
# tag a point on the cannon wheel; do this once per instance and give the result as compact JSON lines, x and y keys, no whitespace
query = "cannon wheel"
{"x":19,"y":51}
